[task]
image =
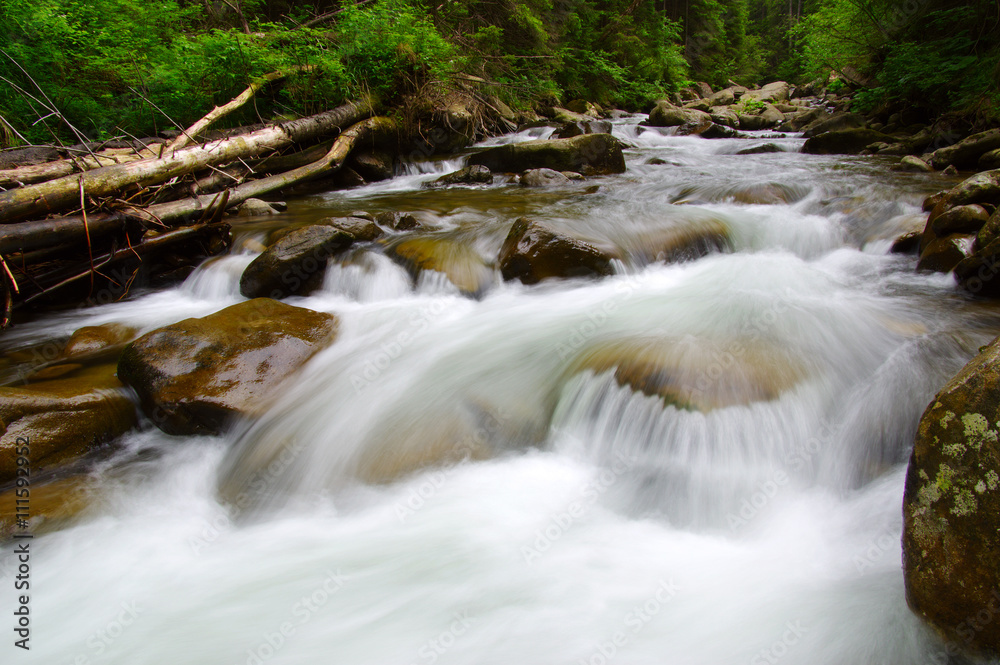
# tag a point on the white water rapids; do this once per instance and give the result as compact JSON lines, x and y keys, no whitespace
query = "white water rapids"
{"x":581,"y":522}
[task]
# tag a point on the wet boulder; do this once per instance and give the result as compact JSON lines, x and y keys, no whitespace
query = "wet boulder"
{"x":470,"y":175}
{"x":683,"y":372}
{"x":943,"y":254}
{"x":966,"y":153}
{"x":666,"y":114}
{"x":363,"y":230}
{"x":978,"y":274}
{"x":960,"y":219}
{"x":951,"y":509}
{"x":838,"y":122}
{"x":571,"y":129}
{"x":989,"y":160}
{"x":724,"y":97}
{"x":256,"y":208}
{"x":760,"y":149}
{"x":295,"y":264}
{"x":843,"y":142}
{"x":681,"y":242}
{"x":533,"y":252}
{"x":717,"y":131}
{"x":92,"y":340}
{"x":542,"y":178}
{"x":54,"y":504}
{"x":372,"y":165}
{"x":62,"y":419}
{"x":723,"y":115}
{"x":981,"y":188}
{"x":798,"y":121}
{"x":912,"y":164}
{"x":195,"y":376}
{"x":463,"y":266}
{"x":989,"y":232}
{"x":591,"y":154}
{"x":762,"y":119}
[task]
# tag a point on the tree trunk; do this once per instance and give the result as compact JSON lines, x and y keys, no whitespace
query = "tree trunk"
{"x":62,"y":193}
{"x":29,"y":175}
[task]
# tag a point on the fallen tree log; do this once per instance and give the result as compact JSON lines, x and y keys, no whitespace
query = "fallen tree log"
{"x":372,"y":129}
{"x":62,"y":193}
{"x":30,"y":175}
{"x":191,"y":133}
{"x":26,"y":236}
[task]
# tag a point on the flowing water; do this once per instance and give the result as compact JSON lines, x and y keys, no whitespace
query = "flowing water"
{"x":458,"y":479}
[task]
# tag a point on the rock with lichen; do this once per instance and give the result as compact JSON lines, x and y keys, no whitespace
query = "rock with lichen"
{"x":951,"y":509}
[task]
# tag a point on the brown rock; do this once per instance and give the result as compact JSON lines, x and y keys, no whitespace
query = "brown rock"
{"x":683,"y":371}
{"x":960,"y":219}
{"x":462,"y":265}
{"x":533,"y":252}
{"x":363,"y":230}
{"x":194,"y":376}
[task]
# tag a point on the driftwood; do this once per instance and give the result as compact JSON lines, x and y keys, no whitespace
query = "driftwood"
{"x":63,"y":193}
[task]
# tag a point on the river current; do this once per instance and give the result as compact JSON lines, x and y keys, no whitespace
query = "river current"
{"x":448,"y":483}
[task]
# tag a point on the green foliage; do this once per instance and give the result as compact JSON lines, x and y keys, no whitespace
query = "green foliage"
{"x":937,"y":54}
{"x":751,"y":106}
{"x":384,"y":43}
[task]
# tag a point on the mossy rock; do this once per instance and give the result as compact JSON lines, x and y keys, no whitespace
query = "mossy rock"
{"x":844,"y":141}
{"x":951,"y":508}
{"x":590,"y":154}
{"x":195,"y":376}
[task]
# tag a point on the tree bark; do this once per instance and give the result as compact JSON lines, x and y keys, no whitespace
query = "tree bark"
{"x":62,"y":193}
{"x":30,"y":175}
{"x":26,"y":236}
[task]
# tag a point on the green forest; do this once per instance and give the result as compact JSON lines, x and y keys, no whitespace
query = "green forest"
{"x":102,"y":68}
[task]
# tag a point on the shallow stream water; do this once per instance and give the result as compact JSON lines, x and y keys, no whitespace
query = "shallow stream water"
{"x":449,"y":483}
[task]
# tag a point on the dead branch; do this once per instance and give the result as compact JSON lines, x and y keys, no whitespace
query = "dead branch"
{"x":192,"y":132}
{"x":61,"y":193}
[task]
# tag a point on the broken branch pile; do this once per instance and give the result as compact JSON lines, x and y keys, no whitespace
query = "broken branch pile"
{"x":77,"y":229}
